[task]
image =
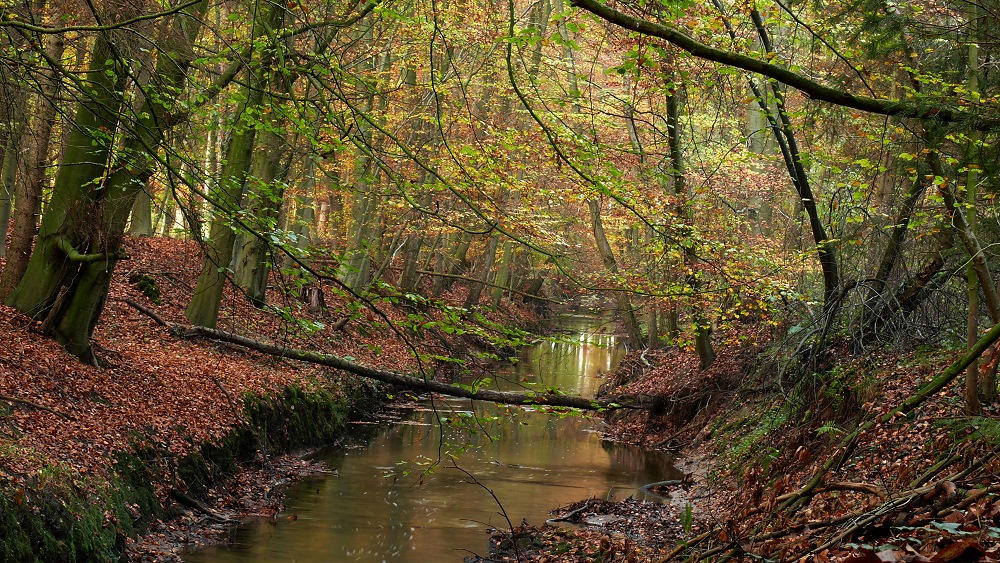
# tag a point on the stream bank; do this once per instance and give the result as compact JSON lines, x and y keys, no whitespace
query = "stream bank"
{"x":779,"y":472}
{"x":62,"y":515}
{"x":92,"y":456}
{"x":428,"y":486}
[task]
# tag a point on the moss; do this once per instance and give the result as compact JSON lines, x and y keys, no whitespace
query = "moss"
{"x":147,"y":285}
{"x":60,"y":515}
{"x":63,"y":516}
{"x":747,"y":440}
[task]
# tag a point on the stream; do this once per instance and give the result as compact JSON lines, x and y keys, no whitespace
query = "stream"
{"x":383,"y":506}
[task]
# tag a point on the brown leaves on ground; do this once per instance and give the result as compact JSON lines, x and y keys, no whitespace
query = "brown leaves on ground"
{"x":919,"y":488}
{"x":685,"y":391}
{"x":596,"y":530}
{"x":161,"y":388}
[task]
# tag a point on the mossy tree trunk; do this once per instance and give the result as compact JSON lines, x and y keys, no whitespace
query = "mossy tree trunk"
{"x":68,"y":236}
{"x":227,"y":196}
{"x":267,"y":189}
{"x":69,"y":272}
{"x":141,"y":223}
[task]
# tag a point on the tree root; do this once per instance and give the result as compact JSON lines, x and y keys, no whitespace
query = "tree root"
{"x":201,"y":507}
{"x":28,"y":403}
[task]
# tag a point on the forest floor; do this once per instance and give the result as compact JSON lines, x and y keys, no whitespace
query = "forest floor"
{"x":921,"y":487}
{"x":180,"y":392}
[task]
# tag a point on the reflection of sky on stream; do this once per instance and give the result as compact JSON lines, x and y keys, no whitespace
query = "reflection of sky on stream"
{"x":534,"y":462}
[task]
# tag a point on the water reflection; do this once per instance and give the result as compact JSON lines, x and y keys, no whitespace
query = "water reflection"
{"x":381,"y":510}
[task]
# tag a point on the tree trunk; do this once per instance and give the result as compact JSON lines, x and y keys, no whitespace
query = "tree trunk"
{"x":410,"y":265}
{"x":503,"y":273}
{"x":69,"y":220}
{"x":28,"y":189}
{"x":826,"y":248}
{"x":141,"y":223}
{"x":972,"y":383}
{"x":81,"y":299}
{"x":203,"y":309}
{"x":608,"y":258}
{"x":700,"y":326}
{"x":476,"y":287}
{"x":13,"y":159}
{"x":253,"y":251}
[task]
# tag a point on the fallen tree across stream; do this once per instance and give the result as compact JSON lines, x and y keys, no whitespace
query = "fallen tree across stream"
{"x":546,"y":397}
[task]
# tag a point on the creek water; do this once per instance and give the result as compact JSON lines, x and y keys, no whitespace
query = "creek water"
{"x":383,"y":506}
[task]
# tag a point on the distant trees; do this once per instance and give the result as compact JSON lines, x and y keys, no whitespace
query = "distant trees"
{"x":452,"y":149}
{"x":936,"y":111}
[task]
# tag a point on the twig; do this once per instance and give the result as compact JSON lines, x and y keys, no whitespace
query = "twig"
{"x":926,"y":391}
{"x":842,"y":486}
{"x":932,"y":470}
{"x":145,"y":310}
{"x":645,"y":362}
{"x":503,"y":512}
{"x":569,"y":515}
{"x":686,"y":545}
{"x":201,"y":507}
{"x":28,"y":403}
{"x":229,"y":399}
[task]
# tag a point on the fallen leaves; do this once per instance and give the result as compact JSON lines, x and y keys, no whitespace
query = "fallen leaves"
{"x":165,"y":390}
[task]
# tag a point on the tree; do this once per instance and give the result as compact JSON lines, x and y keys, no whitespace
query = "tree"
{"x":203,"y":310}
{"x":67,"y":276}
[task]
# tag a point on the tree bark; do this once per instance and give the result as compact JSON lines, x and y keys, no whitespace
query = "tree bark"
{"x":72,"y":210}
{"x":203,"y":308}
{"x":141,"y":223}
{"x":489,"y":257}
{"x":28,"y":188}
{"x":611,"y":265}
{"x":253,"y":251}
{"x":69,"y":273}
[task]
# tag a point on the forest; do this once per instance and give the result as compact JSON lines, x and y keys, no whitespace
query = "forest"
{"x":788,"y":204}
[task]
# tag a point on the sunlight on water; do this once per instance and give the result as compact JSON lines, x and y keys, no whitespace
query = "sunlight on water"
{"x":381,"y":510}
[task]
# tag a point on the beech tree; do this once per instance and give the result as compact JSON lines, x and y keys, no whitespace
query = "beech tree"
{"x":66,"y":280}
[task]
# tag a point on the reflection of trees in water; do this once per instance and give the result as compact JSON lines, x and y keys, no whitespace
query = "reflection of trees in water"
{"x":629,"y":460}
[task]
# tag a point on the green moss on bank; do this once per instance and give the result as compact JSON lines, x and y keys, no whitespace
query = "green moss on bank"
{"x":59,"y":515}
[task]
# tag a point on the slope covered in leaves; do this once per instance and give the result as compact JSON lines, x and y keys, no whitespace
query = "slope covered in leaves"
{"x":156,"y":385}
{"x":153,"y":384}
{"x":921,"y":487}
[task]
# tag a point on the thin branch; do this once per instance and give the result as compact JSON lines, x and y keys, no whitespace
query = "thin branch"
{"x":33,"y":405}
{"x":807,"y":86}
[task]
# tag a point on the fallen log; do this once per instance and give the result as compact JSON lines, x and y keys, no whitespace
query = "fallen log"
{"x":546,"y":397}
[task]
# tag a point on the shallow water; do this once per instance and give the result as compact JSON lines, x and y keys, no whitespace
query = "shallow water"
{"x":384,"y":506}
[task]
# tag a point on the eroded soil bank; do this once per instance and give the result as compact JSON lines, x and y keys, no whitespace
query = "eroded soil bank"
{"x":91,"y":457}
{"x":777,"y":474}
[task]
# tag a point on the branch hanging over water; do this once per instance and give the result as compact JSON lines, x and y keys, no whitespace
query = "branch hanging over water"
{"x":420,"y":384}
{"x":547,"y":399}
